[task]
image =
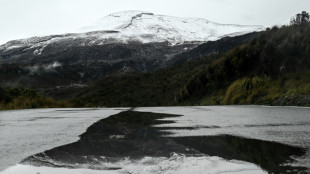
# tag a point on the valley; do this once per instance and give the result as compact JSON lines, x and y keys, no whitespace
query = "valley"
{"x":144,"y":93}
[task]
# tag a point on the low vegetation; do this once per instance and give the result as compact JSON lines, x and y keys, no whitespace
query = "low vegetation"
{"x":21,"y":98}
{"x":290,"y":89}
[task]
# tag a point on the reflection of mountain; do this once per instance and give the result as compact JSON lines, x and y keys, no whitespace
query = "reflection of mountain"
{"x":131,"y":135}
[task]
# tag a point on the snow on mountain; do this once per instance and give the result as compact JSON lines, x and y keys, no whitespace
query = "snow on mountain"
{"x":148,"y":27}
{"x":145,"y":27}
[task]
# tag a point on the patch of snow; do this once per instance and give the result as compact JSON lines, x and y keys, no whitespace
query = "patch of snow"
{"x":13,"y":47}
{"x":36,"y":69}
{"x":140,"y":26}
{"x":38,"y":51}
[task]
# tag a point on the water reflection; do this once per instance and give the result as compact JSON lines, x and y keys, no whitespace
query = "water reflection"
{"x":134,"y":137}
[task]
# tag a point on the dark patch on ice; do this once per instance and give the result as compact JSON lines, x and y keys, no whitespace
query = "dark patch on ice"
{"x":276,"y":125}
{"x":121,"y":109}
{"x":187,"y":128}
{"x":140,"y":139}
{"x":268,"y":155}
{"x":41,"y":118}
{"x":200,"y":108}
{"x":76,"y":110}
{"x":131,"y":135}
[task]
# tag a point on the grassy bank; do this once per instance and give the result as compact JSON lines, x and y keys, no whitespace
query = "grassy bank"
{"x":290,"y":89}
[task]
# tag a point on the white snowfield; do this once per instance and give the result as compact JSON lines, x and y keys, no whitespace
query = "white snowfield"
{"x":145,"y":27}
{"x":149,"y":27}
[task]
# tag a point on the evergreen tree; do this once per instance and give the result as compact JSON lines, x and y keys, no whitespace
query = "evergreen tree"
{"x":300,"y":18}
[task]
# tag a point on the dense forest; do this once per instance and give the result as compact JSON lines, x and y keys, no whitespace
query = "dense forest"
{"x":274,"y":65}
{"x":271,"y":69}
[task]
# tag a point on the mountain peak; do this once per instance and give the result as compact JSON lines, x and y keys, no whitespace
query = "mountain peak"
{"x":149,"y":27}
{"x":140,"y":26}
{"x":130,"y":13}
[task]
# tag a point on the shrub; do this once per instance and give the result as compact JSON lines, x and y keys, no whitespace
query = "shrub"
{"x":238,"y":91}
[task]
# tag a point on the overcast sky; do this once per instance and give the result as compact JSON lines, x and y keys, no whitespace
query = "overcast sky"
{"x":25,"y":18}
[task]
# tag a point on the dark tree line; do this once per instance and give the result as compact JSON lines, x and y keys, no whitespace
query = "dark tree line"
{"x":300,"y":18}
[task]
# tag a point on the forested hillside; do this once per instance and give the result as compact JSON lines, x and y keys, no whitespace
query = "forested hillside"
{"x":272,"y":66}
{"x":272,"y":69}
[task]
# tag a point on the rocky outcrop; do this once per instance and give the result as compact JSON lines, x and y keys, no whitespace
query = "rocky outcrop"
{"x":292,"y":100}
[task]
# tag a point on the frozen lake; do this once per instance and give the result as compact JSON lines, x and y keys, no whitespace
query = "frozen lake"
{"x":27,"y":132}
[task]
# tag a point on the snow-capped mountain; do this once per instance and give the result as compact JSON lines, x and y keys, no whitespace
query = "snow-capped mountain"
{"x":149,"y":27}
{"x":124,"y":42}
{"x":138,"y":26}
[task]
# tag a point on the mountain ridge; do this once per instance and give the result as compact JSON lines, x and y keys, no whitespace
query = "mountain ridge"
{"x":127,"y":26}
{"x":270,"y":68}
{"x":125,"y":42}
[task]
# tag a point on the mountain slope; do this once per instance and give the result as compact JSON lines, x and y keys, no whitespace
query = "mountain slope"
{"x":125,"y":42}
{"x":272,"y":69}
{"x":136,"y":26}
{"x":212,"y":47}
